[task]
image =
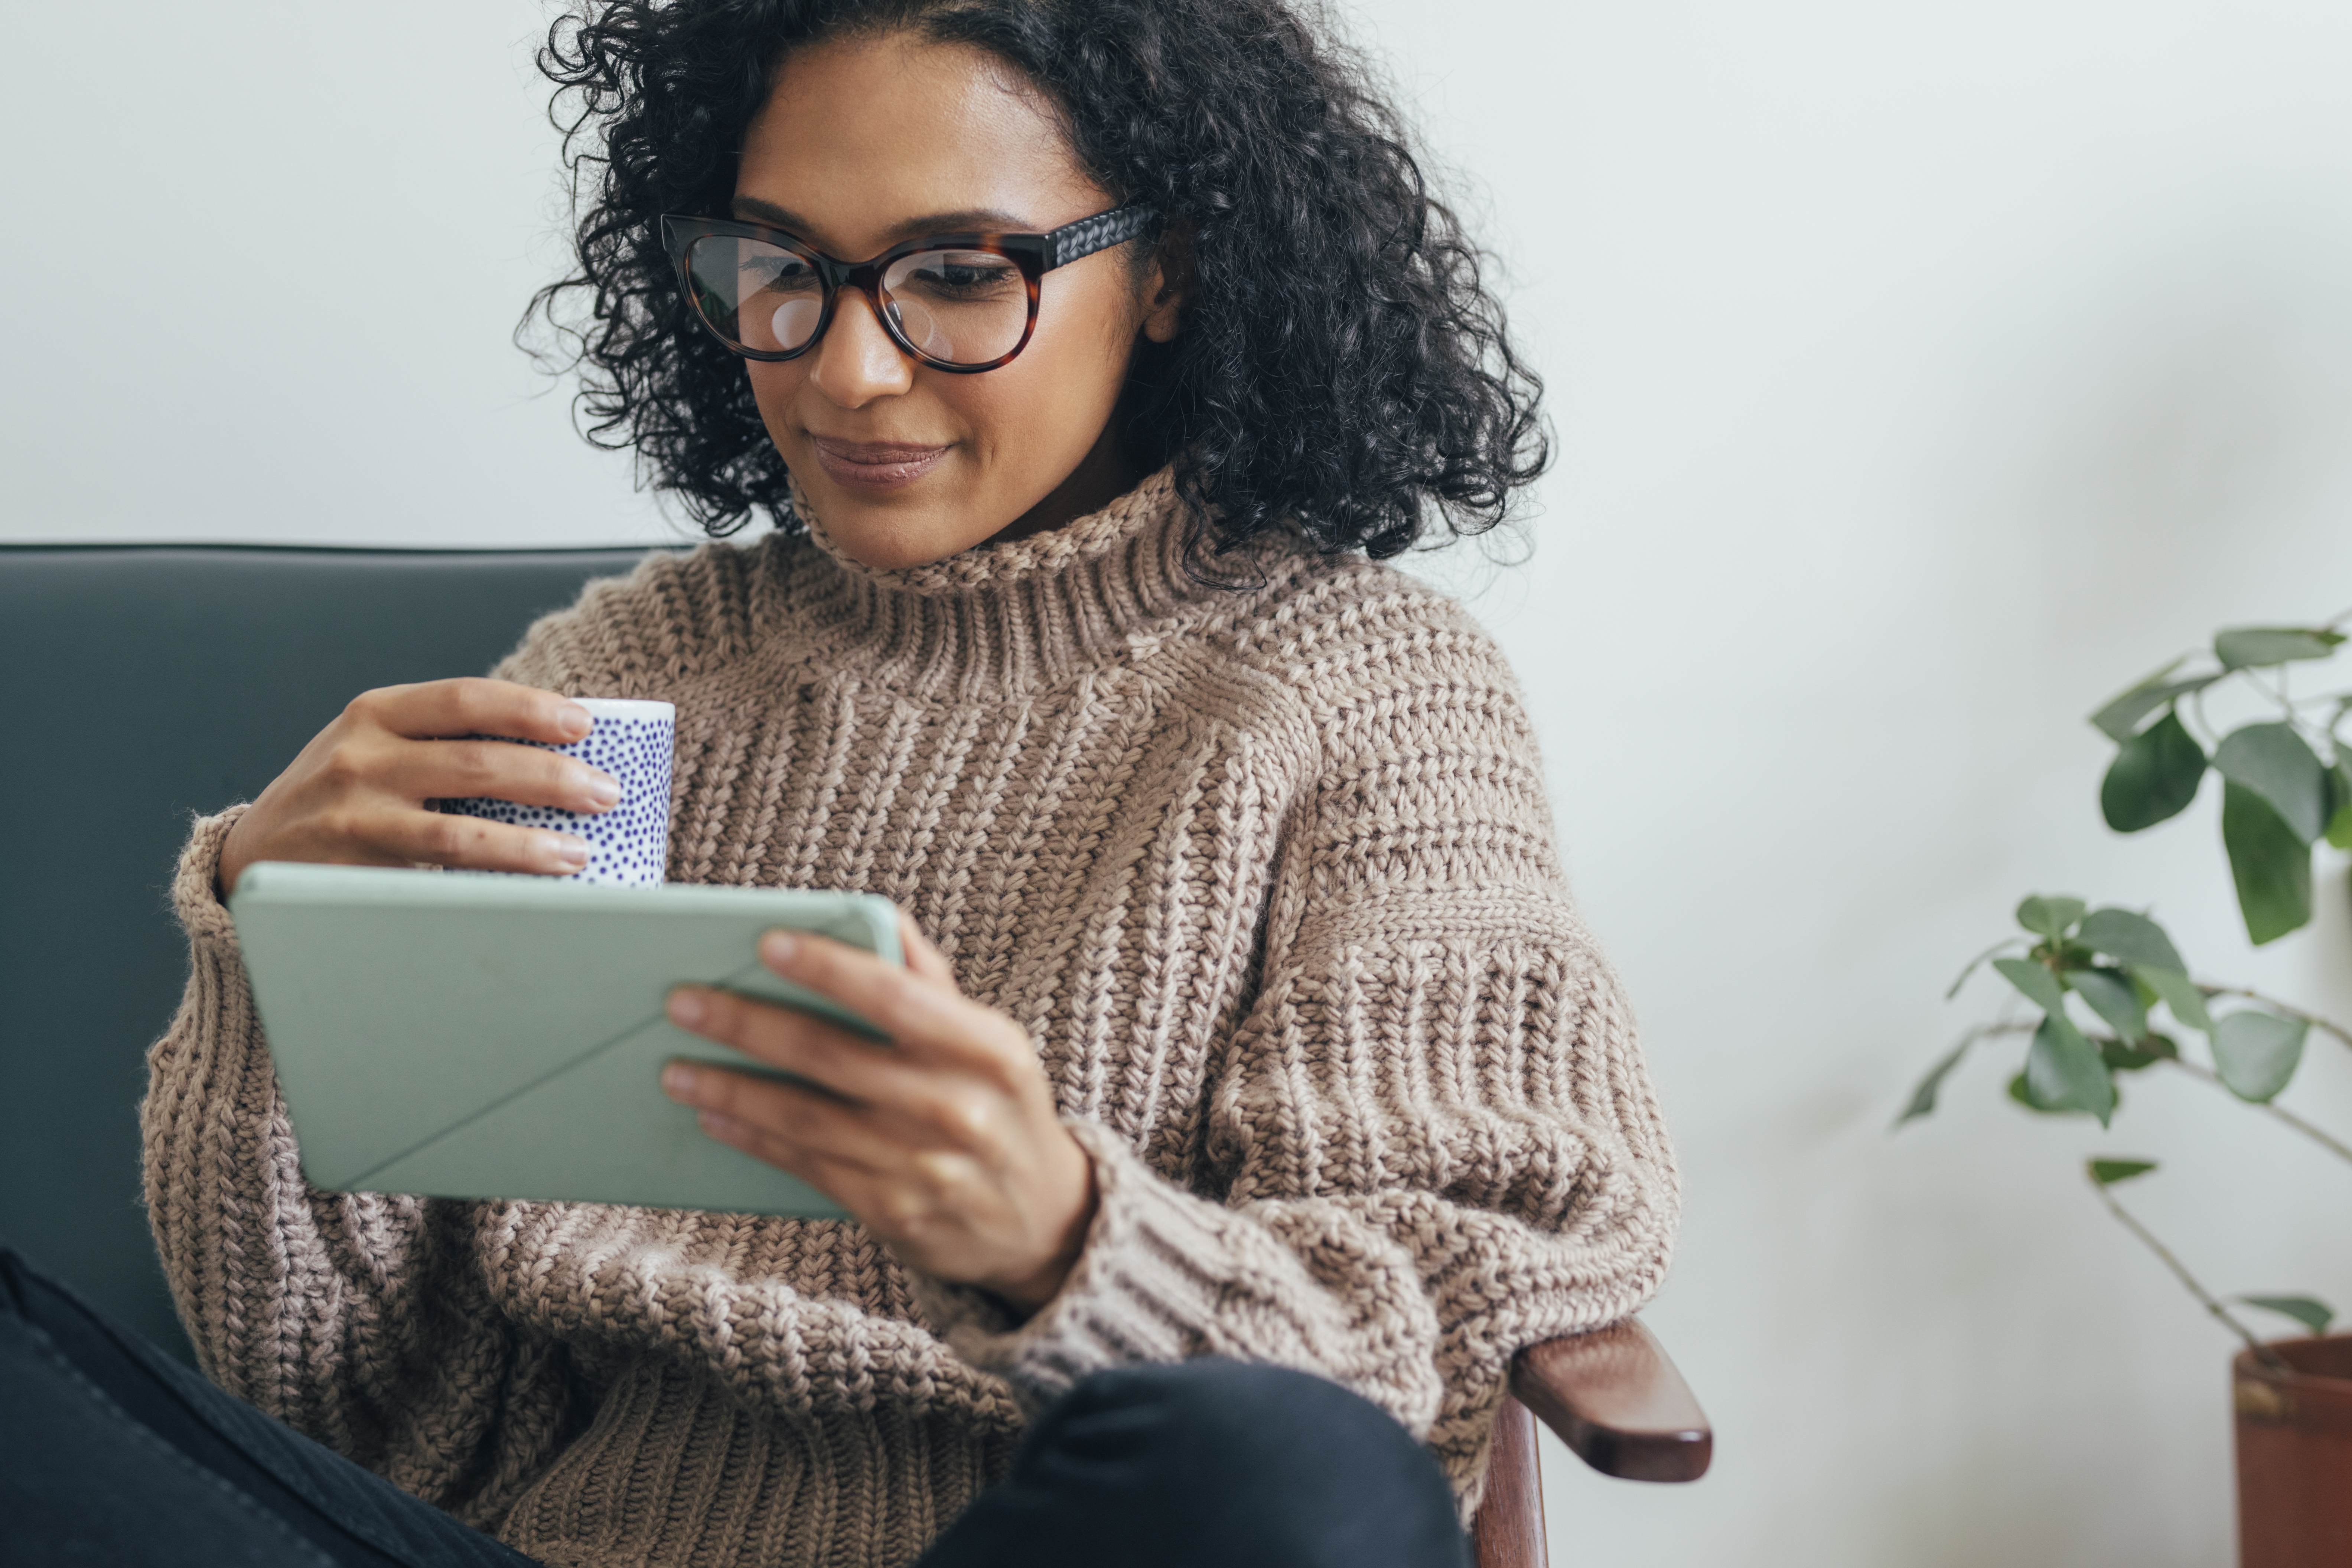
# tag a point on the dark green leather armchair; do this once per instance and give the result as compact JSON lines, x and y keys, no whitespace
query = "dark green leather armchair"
{"x":144,"y":685}
{"x":141,"y":686}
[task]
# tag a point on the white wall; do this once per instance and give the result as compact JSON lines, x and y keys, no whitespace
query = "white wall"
{"x":1924,"y":374}
{"x":175,"y":382}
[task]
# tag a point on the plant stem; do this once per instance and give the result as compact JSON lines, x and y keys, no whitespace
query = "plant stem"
{"x":2276,"y":693}
{"x":2272,"y":1003}
{"x":2196,"y":706}
{"x":2262,"y":1352}
{"x":1971,"y":969}
{"x":2324,"y":1140}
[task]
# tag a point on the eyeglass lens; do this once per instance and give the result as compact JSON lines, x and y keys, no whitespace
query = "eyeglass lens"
{"x":959,"y":306}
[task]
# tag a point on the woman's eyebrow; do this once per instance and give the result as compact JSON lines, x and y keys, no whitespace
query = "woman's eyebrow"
{"x":971,"y":219}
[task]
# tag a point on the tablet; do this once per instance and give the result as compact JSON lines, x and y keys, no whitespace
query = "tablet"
{"x":472,"y":1035}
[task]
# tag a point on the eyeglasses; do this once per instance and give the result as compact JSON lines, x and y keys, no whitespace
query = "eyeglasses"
{"x":961,"y":302}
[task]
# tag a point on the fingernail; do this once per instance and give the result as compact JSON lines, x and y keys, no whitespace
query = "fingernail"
{"x":719,"y":1126}
{"x":576,"y":720}
{"x":779,"y":947}
{"x":679,"y":1081}
{"x":570,"y":850}
{"x":686,"y":1009}
{"x":604,"y":791}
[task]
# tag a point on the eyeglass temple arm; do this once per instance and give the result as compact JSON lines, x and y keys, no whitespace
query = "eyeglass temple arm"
{"x":1101,"y":231}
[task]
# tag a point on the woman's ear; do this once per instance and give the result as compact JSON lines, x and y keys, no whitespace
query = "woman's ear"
{"x":1167,"y":284}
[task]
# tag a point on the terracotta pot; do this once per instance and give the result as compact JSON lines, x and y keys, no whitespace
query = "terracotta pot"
{"x":2294,"y":1455}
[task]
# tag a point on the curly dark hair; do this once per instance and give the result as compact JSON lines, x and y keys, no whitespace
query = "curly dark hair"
{"x":1341,"y":362}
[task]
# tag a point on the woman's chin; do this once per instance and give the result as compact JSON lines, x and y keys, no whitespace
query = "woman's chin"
{"x":905,"y":528}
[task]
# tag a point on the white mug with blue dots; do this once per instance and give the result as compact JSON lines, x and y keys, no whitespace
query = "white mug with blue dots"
{"x":628,"y":846}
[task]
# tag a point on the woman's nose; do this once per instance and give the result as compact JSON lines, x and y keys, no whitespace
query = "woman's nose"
{"x":857,"y":361}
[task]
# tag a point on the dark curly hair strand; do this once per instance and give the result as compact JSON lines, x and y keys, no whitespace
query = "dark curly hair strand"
{"x":1341,"y":362}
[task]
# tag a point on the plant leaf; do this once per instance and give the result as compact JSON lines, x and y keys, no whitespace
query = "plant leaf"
{"x":2040,"y":987}
{"x":2179,"y":992}
{"x":2109,"y":992}
{"x":1923,"y":1099}
{"x":2107,"y":1173}
{"x":2271,"y":866}
{"x":2257,"y":1052}
{"x":2274,"y":762}
{"x":2047,"y":916}
{"x":2023,"y":1092}
{"x":2132,"y":937}
{"x":2313,"y":1315}
{"x":2339,"y":800}
{"x":2062,"y":1070}
{"x":2155,"y":775}
{"x":2252,"y":647}
{"x":2121,"y":1058}
{"x":2119,"y":718}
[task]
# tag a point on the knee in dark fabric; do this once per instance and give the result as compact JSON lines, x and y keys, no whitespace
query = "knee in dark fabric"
{"x":1242,"y":1463}
{"x":1208,"y":1416}
{"x":11,"y":1295}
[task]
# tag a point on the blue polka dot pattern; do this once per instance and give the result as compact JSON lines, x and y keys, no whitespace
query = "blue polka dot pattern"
{"x":629,"y":845}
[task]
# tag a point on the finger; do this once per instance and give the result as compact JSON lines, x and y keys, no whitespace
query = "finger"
{"x":915,"y":1013}
{"x":454,"y":770}
{"x":474,"y":705}
{"x":781,"y":1153}
{"x":893,"y":1208}
{"x":469,"y":843}
{"x":924,"y":959}
{"x":807,"y":1046}
{"x":808,"y":1120}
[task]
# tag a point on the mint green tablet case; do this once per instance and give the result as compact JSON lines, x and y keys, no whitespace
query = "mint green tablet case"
{"x":472,"y":1036}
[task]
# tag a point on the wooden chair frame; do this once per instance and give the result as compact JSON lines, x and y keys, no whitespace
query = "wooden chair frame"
{"x":1615,"y":1399}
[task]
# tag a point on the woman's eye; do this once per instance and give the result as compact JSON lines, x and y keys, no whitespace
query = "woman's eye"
{"x":962,"y":278}
{"x":778,"y":274}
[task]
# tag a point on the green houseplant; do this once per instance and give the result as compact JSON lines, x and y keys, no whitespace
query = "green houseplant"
{"x":2098,"y":994}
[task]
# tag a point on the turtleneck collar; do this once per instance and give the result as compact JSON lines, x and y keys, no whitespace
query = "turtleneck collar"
{"x":1016,"y":614}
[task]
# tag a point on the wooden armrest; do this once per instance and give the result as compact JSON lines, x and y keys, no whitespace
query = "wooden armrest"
{"x":1615,"y":1398}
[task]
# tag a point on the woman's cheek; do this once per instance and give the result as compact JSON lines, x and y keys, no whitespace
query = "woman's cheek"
{"x":774,"y":388}
{"x":1042,"y":413}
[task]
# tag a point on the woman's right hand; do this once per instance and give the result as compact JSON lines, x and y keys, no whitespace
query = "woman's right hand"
{"x":356,"y":795}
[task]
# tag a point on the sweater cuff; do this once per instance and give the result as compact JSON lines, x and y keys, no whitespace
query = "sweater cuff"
{"x":1147,"y":1287}
{"x":195,"y":896}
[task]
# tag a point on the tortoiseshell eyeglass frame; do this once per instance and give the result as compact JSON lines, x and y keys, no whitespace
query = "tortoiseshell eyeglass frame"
{"x":1033,"y":254}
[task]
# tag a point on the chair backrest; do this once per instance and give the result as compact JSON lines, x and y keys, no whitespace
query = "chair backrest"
{"x":141,"y":686}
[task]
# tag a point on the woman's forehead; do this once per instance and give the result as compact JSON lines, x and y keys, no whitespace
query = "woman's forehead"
{"x":864,"y":141}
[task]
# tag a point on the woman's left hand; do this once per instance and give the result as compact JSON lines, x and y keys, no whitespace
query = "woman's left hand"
{"x":945,"y":1143}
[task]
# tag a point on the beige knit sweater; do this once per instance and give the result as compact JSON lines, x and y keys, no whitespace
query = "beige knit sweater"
{"x":1268,"y":874}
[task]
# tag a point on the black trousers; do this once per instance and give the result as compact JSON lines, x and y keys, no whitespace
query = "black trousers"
{"x":113,"y":1455}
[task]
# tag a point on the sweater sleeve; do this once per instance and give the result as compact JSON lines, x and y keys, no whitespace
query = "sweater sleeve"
{"x":1431,"y":1136}
{"x":359,"y":1318}
{"x":363,"y":1320}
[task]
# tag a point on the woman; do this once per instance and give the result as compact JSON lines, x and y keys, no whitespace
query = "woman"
{"x":1256,"y":1091}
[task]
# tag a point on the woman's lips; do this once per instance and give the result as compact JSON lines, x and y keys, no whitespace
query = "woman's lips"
{"x":875,"y":464}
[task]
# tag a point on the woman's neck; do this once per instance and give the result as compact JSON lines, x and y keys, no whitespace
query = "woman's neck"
{"x":1004,"y":614}
{"x":1102,"y":476}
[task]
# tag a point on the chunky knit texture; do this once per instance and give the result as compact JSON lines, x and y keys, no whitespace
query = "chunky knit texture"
{"x":1268,"y":876}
